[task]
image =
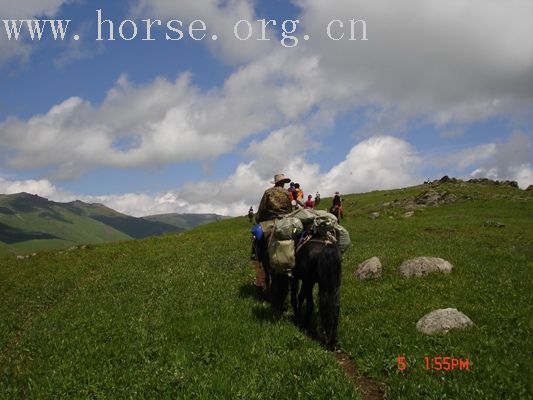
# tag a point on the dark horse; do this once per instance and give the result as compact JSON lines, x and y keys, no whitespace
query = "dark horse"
{"x":317,"y":261}
{"x":337,"y":212}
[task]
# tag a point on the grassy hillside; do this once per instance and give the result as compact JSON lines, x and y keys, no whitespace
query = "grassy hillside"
{"x":175,"y":316}
{"x":31,"y":223}
{"x":185,"y":221}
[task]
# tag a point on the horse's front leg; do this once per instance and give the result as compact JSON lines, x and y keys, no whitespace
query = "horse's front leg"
{"x":307,"y":293}
{"x":295,"y":285}
{"x":301,"y":300}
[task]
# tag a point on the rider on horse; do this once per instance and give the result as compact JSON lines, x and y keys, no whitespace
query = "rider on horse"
{"x":274,"y":204}
{"x":336,"y":208}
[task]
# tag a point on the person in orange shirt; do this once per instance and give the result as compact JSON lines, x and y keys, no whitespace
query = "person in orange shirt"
{"x":299,"y":193}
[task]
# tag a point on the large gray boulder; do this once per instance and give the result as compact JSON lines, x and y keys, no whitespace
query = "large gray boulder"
{"x":442,"y":321}
{"x":420,"y":266}
{"x":369,"y":269}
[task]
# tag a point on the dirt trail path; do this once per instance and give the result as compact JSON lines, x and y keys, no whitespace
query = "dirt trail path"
{"x":369,"y":389}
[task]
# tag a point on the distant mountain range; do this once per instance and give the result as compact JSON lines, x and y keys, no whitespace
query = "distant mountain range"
{"x":31,"y":223}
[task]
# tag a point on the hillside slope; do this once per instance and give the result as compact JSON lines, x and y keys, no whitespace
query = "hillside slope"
{"x":185,"y":221}
{"x":176,"y":317}
{"x":31,"y":223}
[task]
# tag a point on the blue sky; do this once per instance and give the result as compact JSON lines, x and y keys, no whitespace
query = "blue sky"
{"x":178,"y":126}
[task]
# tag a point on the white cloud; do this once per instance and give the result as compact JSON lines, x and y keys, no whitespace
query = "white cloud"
{"x":29,"y":8}
{"x":453,"y":61}
{"x":159,"y":123}
{"x":424,"y":60}
{"x":376,"y":163}
{"x":42,"y":187}
{"x":220,"y":18}
{"x":19,"y":50}
{"x":510,"y":160}
{"x":467,"y":157}
{"x":382,"y":162}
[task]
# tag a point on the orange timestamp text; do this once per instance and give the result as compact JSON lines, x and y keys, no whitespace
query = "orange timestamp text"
{"x":438,"y":363}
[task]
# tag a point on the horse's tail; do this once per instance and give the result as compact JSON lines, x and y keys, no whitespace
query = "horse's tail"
{"x":329,"y":282}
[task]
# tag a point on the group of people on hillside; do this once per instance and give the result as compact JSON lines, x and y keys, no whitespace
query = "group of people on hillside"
{"x":294,"y":194}
{"x":277,"y":202}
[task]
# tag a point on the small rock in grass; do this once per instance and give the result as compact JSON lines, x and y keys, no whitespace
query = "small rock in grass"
{"x":442,"y":321}
{"x":369,"y":269}
{"x":494,"y":224}
{"x":20,"y":257}
{"x":420,"y":266}
{"x":374,"y":215}
{"x":409,"y":214}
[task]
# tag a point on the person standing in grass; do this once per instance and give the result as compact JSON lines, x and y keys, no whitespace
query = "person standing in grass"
{"x":251,"y":214}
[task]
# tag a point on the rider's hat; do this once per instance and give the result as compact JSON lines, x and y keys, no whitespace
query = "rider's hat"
{"x":280,"y":178}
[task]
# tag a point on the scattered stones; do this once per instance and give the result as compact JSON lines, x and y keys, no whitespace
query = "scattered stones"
{"x":487,"y":181}
{"x":369,"y":269}
{"x":421,"y":266}
{"x":411,"y":206}
{"x":409,"y":214}
{"x":442,"y":321}
{"x":494,"y":224}
{"x":374,"y":215}
{"x":432,"y":198}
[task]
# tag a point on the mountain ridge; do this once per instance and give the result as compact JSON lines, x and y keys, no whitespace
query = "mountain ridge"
{"x":30,"y":223}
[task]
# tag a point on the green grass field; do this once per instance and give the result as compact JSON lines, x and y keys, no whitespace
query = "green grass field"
{"x":176,"y":317}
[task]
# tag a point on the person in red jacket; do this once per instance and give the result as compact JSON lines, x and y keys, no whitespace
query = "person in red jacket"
{"x":309,"y":203}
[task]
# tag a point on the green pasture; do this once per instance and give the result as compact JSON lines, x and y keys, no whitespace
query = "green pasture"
{"x":176,"y":317}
